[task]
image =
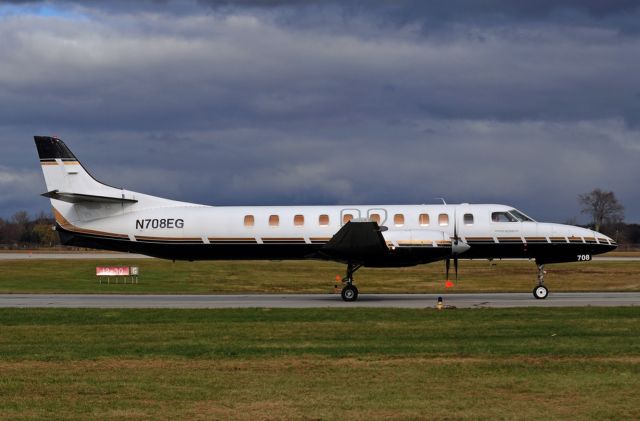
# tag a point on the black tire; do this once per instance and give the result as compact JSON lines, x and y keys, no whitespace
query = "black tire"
{"x":349,"y":293}
{"x":540,"y":292}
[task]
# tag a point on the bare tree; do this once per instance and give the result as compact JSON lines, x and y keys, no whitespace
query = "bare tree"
{"x":18,"y":228}
{"x":602,"y":206}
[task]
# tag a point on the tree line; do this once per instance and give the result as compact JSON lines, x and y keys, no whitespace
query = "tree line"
{"x":24,"y":231}
{"x":604,"y":209}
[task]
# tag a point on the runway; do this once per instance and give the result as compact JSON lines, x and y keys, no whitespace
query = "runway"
{"x":491,"y":300}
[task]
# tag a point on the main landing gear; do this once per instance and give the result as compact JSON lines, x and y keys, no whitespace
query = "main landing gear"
{"x":540,"y":291}
{"x":349,"y":291}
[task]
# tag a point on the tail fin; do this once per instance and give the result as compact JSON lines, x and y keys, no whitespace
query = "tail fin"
{"x":76,"y":197}
{"x":67,"y":180}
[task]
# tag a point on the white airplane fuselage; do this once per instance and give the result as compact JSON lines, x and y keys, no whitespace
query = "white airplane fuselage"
{"x":146,"y":230}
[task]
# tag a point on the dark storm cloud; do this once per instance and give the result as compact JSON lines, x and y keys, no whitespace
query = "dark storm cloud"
{"x":328,"y":102}
{"x":398,"y":11}
{"x":449,"y":10}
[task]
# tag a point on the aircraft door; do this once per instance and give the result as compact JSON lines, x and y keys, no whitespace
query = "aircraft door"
{"x":347,"y":215}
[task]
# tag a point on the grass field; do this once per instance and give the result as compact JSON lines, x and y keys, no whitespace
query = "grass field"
{"x":253,"y":364}
{"x":161,"y":276}
{"x":575,"y":363}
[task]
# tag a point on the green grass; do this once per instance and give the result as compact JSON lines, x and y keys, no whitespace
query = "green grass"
{"x":536,"y":363}
{"x":62,"y":334}
{"x":226,"y":277}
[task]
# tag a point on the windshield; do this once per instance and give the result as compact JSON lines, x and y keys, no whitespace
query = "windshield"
{"x":521,"y":216}
{"x":503,"y":217}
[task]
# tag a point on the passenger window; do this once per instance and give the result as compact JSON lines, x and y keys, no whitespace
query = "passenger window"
{"x":423,"y":218}
{"x":398,"y":219}
{"x":443,"y":219}
{"x":298,"y":220}
{"x":375,"y":217}
{"x":346,"y":218}
{"x":503,"y":217}
{"x":249,"y":221}
{"x":274,"y":220}
{"x":468,"y":219}
{"x":323,"y":220}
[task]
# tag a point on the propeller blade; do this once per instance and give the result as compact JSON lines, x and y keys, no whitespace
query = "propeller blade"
{"x":447,"y":264}
{"x":455,"y":226}
{"x":455,"y":265}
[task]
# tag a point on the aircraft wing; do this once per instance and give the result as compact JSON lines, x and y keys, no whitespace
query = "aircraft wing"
{"x":356,"y":242}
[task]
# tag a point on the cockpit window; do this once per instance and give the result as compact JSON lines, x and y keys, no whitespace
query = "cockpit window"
{"x":521,"y":216}
{"x":503,"y":217}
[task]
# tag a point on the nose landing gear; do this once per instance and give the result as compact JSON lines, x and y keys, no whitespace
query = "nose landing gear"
{"x":540,"y":292}
{"x":349,"y":291}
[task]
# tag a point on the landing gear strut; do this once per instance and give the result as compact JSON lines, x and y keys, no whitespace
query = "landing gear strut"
{"x":540,"y":291}
{"x":349,"y":291}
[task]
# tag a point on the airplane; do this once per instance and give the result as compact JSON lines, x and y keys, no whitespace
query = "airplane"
{"x":92,"y":214}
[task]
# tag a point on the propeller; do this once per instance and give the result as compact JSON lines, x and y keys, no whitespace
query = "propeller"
{"x":457,"y":247}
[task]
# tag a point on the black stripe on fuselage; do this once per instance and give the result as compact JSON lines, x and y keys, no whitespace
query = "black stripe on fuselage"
{"x":400,"y":256}
{"x":536,"y":241}
{"x":283,"y":241}
{"x":558,"y":240}
{"x":229,"y":241}
{"x":169,"y":241}
{"x":509,"y":240}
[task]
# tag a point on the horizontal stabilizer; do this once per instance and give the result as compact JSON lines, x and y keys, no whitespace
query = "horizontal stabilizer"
{"x":356,"y":242}
{"x":85,"y":198}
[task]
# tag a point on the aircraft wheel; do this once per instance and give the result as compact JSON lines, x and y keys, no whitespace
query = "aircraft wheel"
{"x":350,"y":293}
{"x":540,"y":292}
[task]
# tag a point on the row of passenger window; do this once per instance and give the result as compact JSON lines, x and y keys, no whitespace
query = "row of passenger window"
{"x":323,"y":220}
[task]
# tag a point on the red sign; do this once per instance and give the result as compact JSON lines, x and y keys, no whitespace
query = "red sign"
{"x":112,"y":271}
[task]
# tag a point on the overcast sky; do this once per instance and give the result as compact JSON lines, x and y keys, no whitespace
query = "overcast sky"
{"x":320,"y":102}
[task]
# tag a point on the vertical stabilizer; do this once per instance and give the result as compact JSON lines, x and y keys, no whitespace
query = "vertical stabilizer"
{"x":76,"y":196}
{"x":64,"y":174}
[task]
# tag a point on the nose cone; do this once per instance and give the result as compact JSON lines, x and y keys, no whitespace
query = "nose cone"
{"x":599,"y":242}
{"x":596,"y":242}
{"x":605,"y":243}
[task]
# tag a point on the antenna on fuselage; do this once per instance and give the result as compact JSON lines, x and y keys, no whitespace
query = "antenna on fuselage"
{"x":442,"y":198}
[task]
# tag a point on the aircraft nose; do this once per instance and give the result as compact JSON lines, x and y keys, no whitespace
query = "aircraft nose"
{"x":605,"y":243}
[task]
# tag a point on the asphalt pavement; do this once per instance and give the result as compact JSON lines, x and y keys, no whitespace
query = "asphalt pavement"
{"x":490,"y":300}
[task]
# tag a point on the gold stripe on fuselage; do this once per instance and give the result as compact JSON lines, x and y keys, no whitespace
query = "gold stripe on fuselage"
{"x":62,"y":221}
{"x":146,"y":238}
